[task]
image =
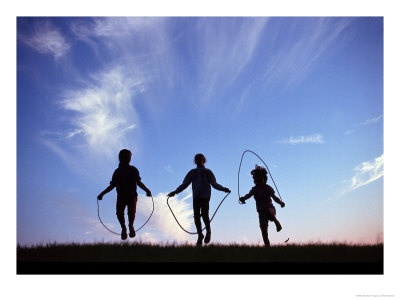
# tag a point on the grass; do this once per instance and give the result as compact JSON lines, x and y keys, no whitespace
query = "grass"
{"x":214,"y":253}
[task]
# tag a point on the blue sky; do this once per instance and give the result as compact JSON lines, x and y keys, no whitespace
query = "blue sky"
{"x":306,"y":94}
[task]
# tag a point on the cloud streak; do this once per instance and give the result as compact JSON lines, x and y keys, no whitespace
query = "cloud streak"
{"x":102,"y":117}
{"x":226,"y":46}
{"x":370,"y":121}
{"x":297,"y":58}
{"x":47,"y":40}
{"x":103,"y":112}
{"x":367,"y":172}
{"x":309,"y":139}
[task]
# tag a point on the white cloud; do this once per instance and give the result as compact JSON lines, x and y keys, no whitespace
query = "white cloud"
{"x":103,"y":112}
{"x":47,"y":40}
{"x":148,"y":42}
{"x":163,"y":221}
{"x":370,"y":121}
{"x":366,"y":122}
{"x":100,"y":119}
{"x":367,"y":172}
{"x":310,"y":139}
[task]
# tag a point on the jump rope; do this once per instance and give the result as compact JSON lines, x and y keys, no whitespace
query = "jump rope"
{"x":136,"y":230}
{"x":204,"y":227}
{"x":269,"y":172}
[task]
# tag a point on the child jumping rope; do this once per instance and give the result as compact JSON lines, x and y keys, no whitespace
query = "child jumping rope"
{"x":125,"y":179}
{"x":201,"y":178}
{"x":263,"y":193}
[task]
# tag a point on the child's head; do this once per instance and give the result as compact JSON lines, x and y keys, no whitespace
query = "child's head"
{"x":259,"y":175}
{"x":199,"y":159}
{"x":125,"y":156}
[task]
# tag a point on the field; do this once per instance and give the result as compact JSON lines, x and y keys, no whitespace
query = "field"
{"x":137,"y":258}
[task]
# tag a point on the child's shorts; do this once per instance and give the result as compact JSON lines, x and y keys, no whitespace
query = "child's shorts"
{"x":266,"y":214}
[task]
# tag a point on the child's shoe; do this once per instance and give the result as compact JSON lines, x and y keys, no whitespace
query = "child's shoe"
{"x":200,"y":240}
{"x":208,"y":237}
{"x":124,"y":236}
{"x":132,"y":232}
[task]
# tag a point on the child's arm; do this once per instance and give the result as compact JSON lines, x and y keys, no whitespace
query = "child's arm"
{"x":215,"y":185}
{"x":186,"y":181}
{"x":108,"y":189}
{"x":144,"y":188}
{"x":277,"y":200}
{"x":245,"y":197}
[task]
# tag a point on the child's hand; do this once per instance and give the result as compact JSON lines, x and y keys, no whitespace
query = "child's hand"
{"x":226,"y":190}
{"x":282,"y":204}
{"x":242,"y":200}
{"x":148,"y":193}
{"x":171,"y":194}
{"x":100,"y":196}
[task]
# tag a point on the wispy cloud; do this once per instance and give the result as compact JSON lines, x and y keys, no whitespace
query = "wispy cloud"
{"x":309,"y":139}
{"x":162,"y":219}
{"x":147,"y":41}
{"x":370,"y":121}
{"x":47,"y":40}
{"x":226,"y":46}
{"x":367,"y":172}
{"x":297,"y":57}
{"x":103,"y":112}
{"x":102,"y":115}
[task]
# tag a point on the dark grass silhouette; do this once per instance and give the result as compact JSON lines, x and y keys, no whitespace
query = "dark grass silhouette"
{"x":234,"y":253}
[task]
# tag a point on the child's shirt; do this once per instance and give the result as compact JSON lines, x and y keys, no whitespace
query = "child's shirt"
{"x":125,"y":179}
{"x":262,"y":194}
{"x":201,"y":178}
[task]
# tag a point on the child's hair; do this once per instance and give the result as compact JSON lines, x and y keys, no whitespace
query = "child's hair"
{"x":124,"y":156}
{"x":199,"y":159}
{"x":259,"y":174}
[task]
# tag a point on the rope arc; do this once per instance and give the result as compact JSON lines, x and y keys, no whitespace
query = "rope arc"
{"x":176,"y":219}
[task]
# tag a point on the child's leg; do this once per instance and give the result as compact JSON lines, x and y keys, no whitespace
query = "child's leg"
{"x":205,"y":207}
{"x":197,"y":222}
{"x":272,"y":217}
{"x":264,"y":232}
{"x":121,"y":213}
{"x":263,"y":221}
{"x":121,"y":217}
{"x":131,"y":215}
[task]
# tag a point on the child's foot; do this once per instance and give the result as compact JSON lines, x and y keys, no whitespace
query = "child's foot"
{"x":200,"y":240}
{"x":267,"y":245}
{"x":132,"y":232}
{"x":278,"y":227}
{"x":208,"y":237}
{"x":124,"y":236}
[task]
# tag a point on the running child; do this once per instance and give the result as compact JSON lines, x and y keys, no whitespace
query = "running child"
{"x":263,"y":193}
{"x":125,"y":178}
{"x":201,"y":178}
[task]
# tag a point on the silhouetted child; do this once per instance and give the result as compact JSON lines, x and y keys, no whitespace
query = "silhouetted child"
{"x":201,"y":178}
{"x":125,"y":179}
{"x":263,"y":193}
